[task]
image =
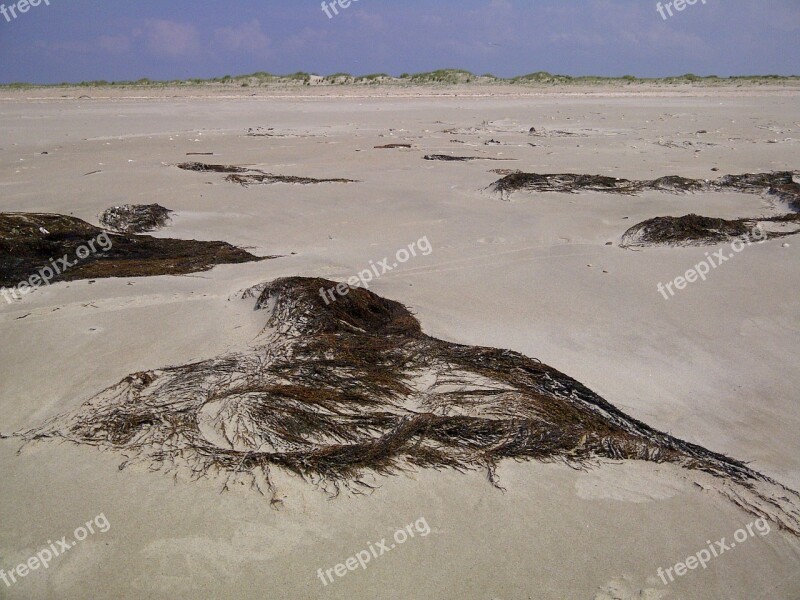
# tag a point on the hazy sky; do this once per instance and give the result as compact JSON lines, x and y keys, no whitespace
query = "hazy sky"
{"x":75,"y":40}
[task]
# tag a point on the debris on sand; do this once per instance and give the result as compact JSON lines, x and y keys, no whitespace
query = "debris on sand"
{"x":266,"y":178}
{"x":676,"y":231}
{"x":504,"y":171}
{"x":685,"y":144}
{"x":695,"y":230}
{"x":25,"y":249}
{"x":247,"y":177}
{"x":335,"y":391}
{"x":135,"y":218}
{"x":675,"y":184}
{"x":565,"y":183}
{"x":555,"y":133}
{"x":780,"y":184}
{"x":449,"y":158}
{"x":689,"y":230}
{"x":272,"y":132}
{"x":503,"y":126}
{"x":205,"y":168}
{"x":392,"y":146}
{"x":783,"y":185}
{"x":260,"y":132}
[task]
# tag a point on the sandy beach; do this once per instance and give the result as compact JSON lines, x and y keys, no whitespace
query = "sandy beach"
{"x":541,"y":274}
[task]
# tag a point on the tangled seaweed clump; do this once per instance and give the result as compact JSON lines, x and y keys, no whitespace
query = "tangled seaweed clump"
{"x":28,"y":241}
{"x":694,"y":230}
{"x":135,"y":218}
{"x":689,"y":230}
{"x":335,"y":391}
{"x":564,"y":183}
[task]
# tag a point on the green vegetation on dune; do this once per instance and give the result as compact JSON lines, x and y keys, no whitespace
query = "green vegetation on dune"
{"x":438,"y":77}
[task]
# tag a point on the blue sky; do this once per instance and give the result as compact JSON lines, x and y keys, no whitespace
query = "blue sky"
{"x":77,"y":40}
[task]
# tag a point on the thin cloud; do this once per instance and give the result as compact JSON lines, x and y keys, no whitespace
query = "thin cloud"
{"x":170,"y":38}
{"x":247,"y":37}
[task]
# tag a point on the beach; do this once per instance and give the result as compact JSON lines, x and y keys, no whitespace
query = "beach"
{"x":539,"y":274}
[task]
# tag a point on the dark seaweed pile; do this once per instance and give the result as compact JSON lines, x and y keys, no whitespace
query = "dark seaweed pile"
{"x":339,"y":389}
{"x":686,"y":230}
{"x":694,"y":230}
{"x":30,"y":241}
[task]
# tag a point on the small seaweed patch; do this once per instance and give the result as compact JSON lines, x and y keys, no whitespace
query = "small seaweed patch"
{"x":340,"y":392}
{"x":135,"y":218}
{"x":565,"y":183}
{"x":392,"y":146}
{"x":449,"y":158}
{"x":689,"y":230}
{"x":246,"y":177}
{"x":29,"y":241}
{"x":206,"y":168}
{"x":695,"y":230}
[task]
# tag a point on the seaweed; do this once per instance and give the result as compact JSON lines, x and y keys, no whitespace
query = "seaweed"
{"x":565,"y":183}
{"x":246,"y":177}
{"x":29,"y":241}
{"x":780,"y":184}
{"x":135,"y":218}
{"x":689,"y":229}
{"x":205,"y":168}
{"x":249,"y":179}
{"x":695,"y":230}
{"x":449,"y":158}
{"x":336,"y":391}
{"x":685,"y":231}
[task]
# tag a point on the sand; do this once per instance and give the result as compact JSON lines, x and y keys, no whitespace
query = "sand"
{"x":714,"y":365}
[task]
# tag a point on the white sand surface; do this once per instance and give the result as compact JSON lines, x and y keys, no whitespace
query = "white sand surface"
{"x":715,"y":365}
